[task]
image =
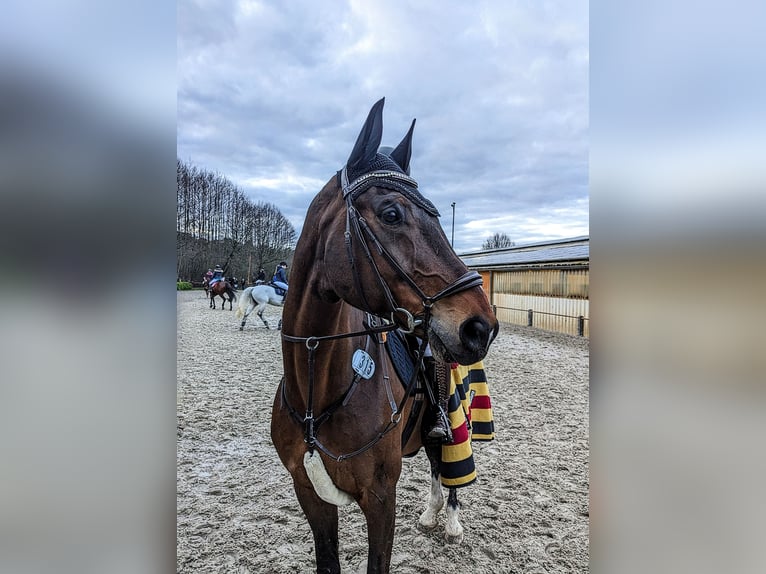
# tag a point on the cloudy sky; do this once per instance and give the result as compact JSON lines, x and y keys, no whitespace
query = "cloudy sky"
{"x":273,"y":94}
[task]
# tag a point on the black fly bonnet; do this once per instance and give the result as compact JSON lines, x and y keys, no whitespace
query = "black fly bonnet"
{"x":383,"y":171}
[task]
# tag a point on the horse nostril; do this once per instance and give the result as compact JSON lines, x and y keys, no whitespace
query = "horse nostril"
{"x":474,"y":334}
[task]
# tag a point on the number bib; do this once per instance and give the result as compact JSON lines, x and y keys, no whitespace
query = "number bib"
{"x":363,"y":364}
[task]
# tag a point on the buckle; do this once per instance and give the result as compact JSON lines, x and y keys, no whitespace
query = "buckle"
{"x":411,"y":323}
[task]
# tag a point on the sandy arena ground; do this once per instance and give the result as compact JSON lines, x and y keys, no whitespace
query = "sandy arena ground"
{"x":237,"y":513}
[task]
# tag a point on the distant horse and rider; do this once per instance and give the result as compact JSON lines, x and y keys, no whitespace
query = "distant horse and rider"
{"x":257,"y":297}
{"x":372,"y":267}
{"x":219,"y":286}
{"x":261,"y":294}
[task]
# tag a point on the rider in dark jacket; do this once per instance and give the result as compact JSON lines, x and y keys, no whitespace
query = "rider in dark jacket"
{"x":217,"y":274}
{"x":280,"y":276}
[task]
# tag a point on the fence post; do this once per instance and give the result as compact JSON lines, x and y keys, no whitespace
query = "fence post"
{"x":529,"y":317}
{"x":580,"y":325}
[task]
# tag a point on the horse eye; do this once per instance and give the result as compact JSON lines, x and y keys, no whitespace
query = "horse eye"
{"x":391,"y":216}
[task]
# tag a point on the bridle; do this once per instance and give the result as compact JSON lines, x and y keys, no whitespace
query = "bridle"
{"x":358,"y":229}
{"x":354,"y":221}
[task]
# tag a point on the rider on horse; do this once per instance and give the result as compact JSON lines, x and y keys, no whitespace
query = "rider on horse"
{"x":217,"y":275}
{"x":280,"y":277}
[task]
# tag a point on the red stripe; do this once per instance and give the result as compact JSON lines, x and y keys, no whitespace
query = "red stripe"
{"x":460,"y":434}
{"x":481,"y":402}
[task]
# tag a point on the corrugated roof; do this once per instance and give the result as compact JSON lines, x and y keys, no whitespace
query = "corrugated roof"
{"x":575,"y":249}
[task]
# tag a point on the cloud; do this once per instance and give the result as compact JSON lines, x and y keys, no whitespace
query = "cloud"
{"x":277,"y":93}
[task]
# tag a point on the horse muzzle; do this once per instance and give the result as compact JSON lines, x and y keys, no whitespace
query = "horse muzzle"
{"x":468,"y":344}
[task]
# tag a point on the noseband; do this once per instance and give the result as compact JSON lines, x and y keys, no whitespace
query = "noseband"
{"x":401,"y":318}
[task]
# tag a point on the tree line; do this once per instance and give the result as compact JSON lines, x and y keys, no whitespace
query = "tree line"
{"x":218,"y":225}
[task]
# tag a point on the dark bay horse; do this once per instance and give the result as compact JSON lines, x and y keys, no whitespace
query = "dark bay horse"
{"x":224,"y":290}
{"x":372,"y":257}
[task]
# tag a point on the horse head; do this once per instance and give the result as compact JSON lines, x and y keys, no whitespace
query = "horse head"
{"x":399,"y":261}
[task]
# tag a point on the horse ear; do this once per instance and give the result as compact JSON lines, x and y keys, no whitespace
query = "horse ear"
{"x":369,"y":138}
{"x":403,"y":151}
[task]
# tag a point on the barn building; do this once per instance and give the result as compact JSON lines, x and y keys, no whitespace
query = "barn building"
{"x":542,"y":284}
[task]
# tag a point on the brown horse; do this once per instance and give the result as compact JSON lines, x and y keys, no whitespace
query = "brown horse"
{"x":222,"y":289}
{"x":372,"y":257}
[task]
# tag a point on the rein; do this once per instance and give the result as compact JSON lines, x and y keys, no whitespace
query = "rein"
{"x":354,"y":221}
{"x":311,"y":424}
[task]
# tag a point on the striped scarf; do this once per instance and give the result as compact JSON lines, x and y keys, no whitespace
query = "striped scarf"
{"x":470,"y":415}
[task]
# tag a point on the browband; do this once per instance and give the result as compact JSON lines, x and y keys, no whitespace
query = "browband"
{"x":389,"y":179}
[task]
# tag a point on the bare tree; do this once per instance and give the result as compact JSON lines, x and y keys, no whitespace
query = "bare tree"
{"x":217,"y":224}
{"x":498,"y":241}
{"x":273,"y":237}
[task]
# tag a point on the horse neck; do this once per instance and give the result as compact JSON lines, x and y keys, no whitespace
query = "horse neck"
{"x":307,"y":314}
{"x":310,"y":311}
{"x":331,"y":367}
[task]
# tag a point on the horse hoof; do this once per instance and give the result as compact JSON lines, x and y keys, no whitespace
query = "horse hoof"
{"x":427,"y":522}
{"x":454,"y":538}
{"x":453,"y":532}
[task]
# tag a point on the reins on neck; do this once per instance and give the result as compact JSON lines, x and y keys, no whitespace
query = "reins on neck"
{"x":311,"y":424}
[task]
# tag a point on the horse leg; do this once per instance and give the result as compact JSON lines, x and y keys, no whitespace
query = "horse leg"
{"x":453,"y":529}
{"x":260,"y":314}
{"x":323,"y":519}
{"x":250,"y":307}
{"x":429,"y":519}
{"x":379,"y":510}
{"x":244,"y":317}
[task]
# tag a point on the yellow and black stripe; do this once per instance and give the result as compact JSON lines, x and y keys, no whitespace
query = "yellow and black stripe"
{"x":470,"y":415}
